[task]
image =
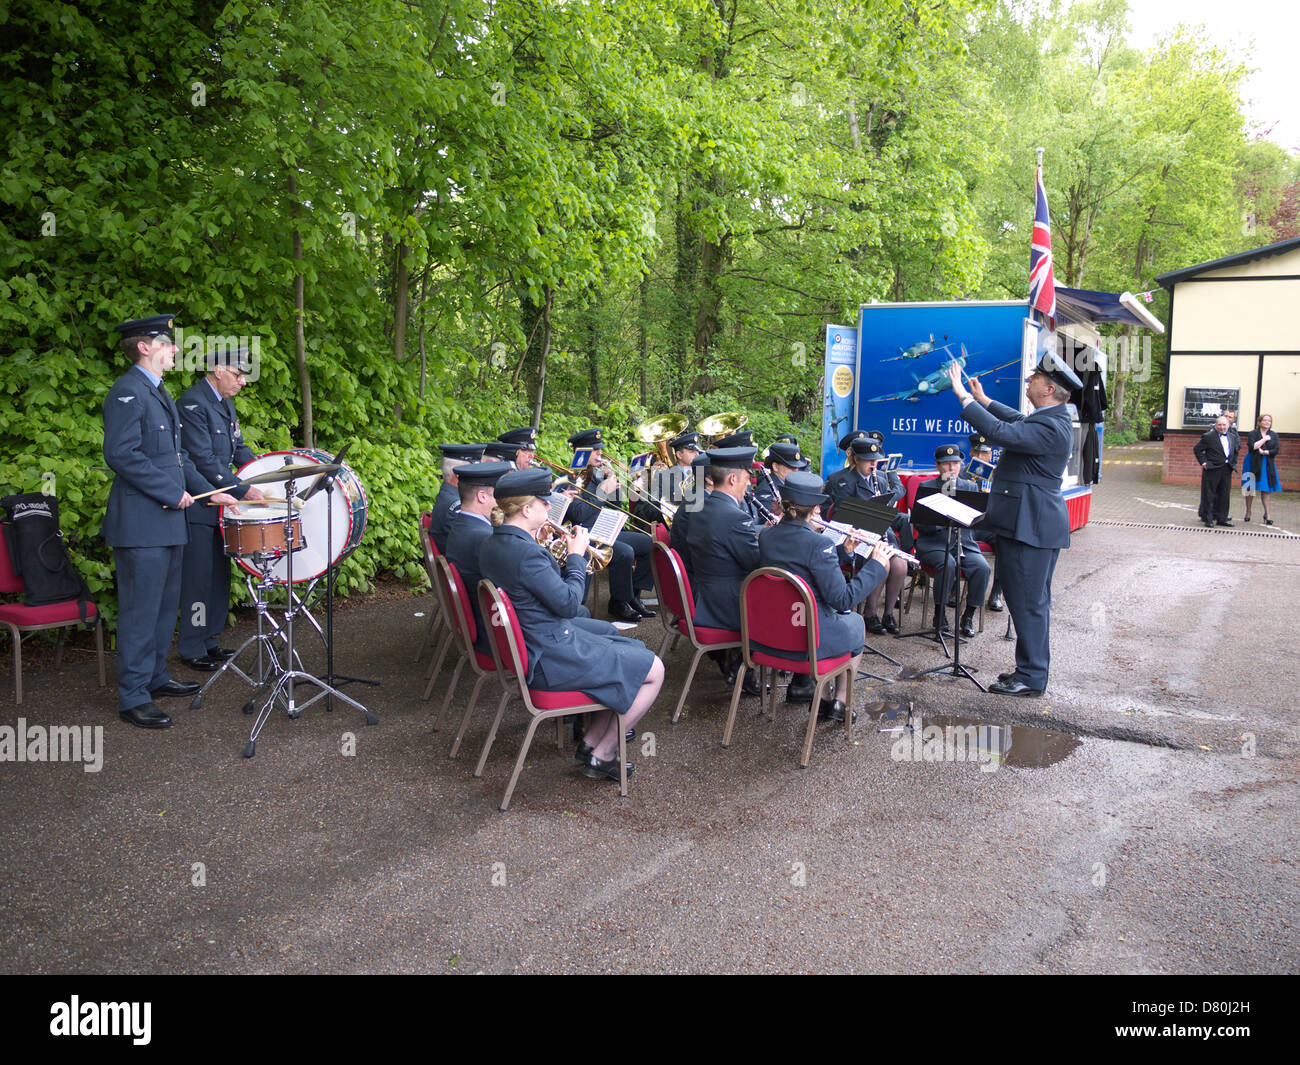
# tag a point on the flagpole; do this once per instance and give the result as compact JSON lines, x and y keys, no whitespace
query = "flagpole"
{"x":1040,"y":156}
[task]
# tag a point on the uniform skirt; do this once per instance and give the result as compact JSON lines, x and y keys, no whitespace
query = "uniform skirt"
{"x":607,"y":669}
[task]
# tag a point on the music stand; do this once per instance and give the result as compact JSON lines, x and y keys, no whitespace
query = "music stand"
{"x":875,"y":516}
{"x":955,"y":513}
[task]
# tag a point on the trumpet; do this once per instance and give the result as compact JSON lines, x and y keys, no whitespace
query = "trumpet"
{"x":555,"y":539}
{"x":864,"y":538}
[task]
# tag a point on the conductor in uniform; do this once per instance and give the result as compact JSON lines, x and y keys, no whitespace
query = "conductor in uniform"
{"x":1026,"y":509}
{"x":211,"y":436}
{"x":144,"y":522}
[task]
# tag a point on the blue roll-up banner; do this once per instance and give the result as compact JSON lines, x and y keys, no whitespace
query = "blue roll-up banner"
{"x":839,"y":392}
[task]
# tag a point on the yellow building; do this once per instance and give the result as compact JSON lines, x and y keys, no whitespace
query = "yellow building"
{"x":1234,"y":344}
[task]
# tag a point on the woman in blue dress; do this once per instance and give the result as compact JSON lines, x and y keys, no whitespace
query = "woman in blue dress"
{"x":1259,"y":468}
{"x":795,"y":545}
{"x":568,"y":650}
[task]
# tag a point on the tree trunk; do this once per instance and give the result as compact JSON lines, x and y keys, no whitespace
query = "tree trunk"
{"x":299,"y":334}
{"x":401,"y":292}
{"x":546,"y":348}
{"x":643,"y":340}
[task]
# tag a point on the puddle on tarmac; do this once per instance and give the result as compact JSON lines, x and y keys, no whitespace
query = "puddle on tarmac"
{"x":1022,"y":746}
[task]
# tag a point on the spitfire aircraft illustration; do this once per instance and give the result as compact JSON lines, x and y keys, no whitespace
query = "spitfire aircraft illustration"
{"x":921,"y":347}
{"x":937,"y":381}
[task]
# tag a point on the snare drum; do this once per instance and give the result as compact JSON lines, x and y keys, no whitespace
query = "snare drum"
{"x":250,"y":530}
{"x":341,"y":513}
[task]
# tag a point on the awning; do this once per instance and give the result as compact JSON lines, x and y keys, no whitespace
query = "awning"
{"x":1086,"y":306}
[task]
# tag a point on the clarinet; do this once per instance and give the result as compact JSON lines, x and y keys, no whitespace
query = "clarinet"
{"x":768,"y":517}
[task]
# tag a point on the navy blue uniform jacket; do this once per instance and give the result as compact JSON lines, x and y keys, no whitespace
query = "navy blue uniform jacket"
{"x":723,"y":540}
{"x":796,"y":546}
{"x":464,"y":542}
{"x":142,"y":446}
{"x":445,"y":505}
{"x":1026,"y":502}
{"x":211,"y":435}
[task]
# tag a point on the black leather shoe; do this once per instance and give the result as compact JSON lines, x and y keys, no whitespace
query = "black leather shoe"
{"x":891,"y":625}
{"x":750,"y":685}
{"x":621,"y":611}
{"x":800,"y":690}
{"x":583,"y":753}
{"x":833,"y":710}
{"x":968,"y":623}
{"x":941,"y":623}
{"x":874,"y":626}
{"x":1011,"y":686}
{"x":609,"y":770}
{"x":1005,"y":676}
{"x":219,"y":654}
{"x":995,"y":602}
{"x":174,"y":689}
{"x":145,"y":716}
{"x":642,"y":609}
{"x":206,"y":664}
{"x":1228,"y":523}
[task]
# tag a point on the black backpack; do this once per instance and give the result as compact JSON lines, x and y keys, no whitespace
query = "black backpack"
{"x":39,"y":554}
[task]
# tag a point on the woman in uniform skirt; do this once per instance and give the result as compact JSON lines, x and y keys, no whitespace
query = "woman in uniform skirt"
{"x":795,"y":545}
{"x":567,"y":649}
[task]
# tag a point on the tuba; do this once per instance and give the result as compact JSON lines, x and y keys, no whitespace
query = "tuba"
{"x":723,"y":424}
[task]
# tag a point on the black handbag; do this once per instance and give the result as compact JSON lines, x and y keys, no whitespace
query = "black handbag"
{"x":39,"y":553}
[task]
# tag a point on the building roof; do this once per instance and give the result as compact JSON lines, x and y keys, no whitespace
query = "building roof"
{"x":1280,"y":248}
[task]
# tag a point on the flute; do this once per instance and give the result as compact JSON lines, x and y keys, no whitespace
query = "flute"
{"x":866,"y":540}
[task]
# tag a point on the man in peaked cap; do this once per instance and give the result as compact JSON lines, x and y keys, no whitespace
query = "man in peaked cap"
{"x":723,"y":540}
{"x":154,"y":482}
{"x":932,"y":549}
{"x":471,"y":524}
{"x":858,"y":479}
{"x":666,"y":484}
{"x":499,"y":451}
{"x":211,"y":435}
{"x":526,"y":437}
{"x":699,"y":488}
{"x":1026,"y":509}
{"x":448,"y":498}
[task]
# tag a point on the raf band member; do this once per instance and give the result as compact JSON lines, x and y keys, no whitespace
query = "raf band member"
{"x":211,"y":435}
{"x":932,"y":549}
{"x":144,"y":522}
{"x":447,"y":501}
{"x":1026,"y":509}
{"x":470,"y":526}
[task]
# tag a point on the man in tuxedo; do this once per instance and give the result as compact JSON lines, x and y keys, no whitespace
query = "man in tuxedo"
{"x":1216,"y":451}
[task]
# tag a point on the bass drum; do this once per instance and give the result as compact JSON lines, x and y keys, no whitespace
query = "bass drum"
{"x":342,"y":511}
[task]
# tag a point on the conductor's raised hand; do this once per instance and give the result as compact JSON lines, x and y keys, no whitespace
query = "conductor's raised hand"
{"x":977,"y":391}
{"x":954,"y":377}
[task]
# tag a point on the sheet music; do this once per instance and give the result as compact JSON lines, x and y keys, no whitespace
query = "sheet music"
{"x":607,"y":527}
{"x":559,"y":507}
{"x":837,"y":538}
{"x":950,"y":508}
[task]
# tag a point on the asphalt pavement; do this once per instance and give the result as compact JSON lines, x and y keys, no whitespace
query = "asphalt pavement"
{"x":1160,"y":839}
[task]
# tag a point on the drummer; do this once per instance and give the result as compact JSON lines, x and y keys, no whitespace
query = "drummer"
{"x":210,"y":433}
{"x":448,"y":500}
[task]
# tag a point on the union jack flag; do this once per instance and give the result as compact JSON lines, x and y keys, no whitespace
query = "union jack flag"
{"x":1042,"y":285}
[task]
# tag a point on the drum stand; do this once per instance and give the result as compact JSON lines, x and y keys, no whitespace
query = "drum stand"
{"x":265,"y":640}
{"x":336,"y":679}
{"x":280,"y":681}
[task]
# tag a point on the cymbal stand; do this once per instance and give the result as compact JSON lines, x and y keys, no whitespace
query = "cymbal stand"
{"x":280,"y":682}
{"x":268,"y":631}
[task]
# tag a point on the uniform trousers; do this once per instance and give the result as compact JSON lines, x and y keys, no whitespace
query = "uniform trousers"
{"x":148,"y":592}
{"x":205,"y":582}
{"x":1026,"y":574}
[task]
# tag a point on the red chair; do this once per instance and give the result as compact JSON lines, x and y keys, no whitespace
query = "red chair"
{"x":19,"y":619}
{"x":510,"y":656}
{"x":457,"y":607}
{"x":777,"y":608}
{"x":914,"y":482}
{"x":677,"y":612}
{"x":662,"y":535}
{"x":429,"y":552}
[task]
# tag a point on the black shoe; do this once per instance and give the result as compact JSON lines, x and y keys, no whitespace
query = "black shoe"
{"x":1005,"y":676}
{"x":641,"y":608}
{"x":750,"y":685}
{"x":219,"y":654}
{"x":174,"y":689}
{"x":968,"y":623}
{"x":145,"y":716}
{"x":874,"y":626}
{"x":1207,"y":523}
{"x":1247,"y":518}
{"x":891,"y":626}
{"x":801,"y":689}
{"x":941,"y":623}
{"x":206,"y":664}
{"x":995,"y":602}
{"x":1268,"y":521}
{"x":609,"y":770}
{"x":833,"y":710}
{"x":583,"y":753}
{"x":1011,"y":686}
{"x":1228,"y":523}
{"x":621,"y":611}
